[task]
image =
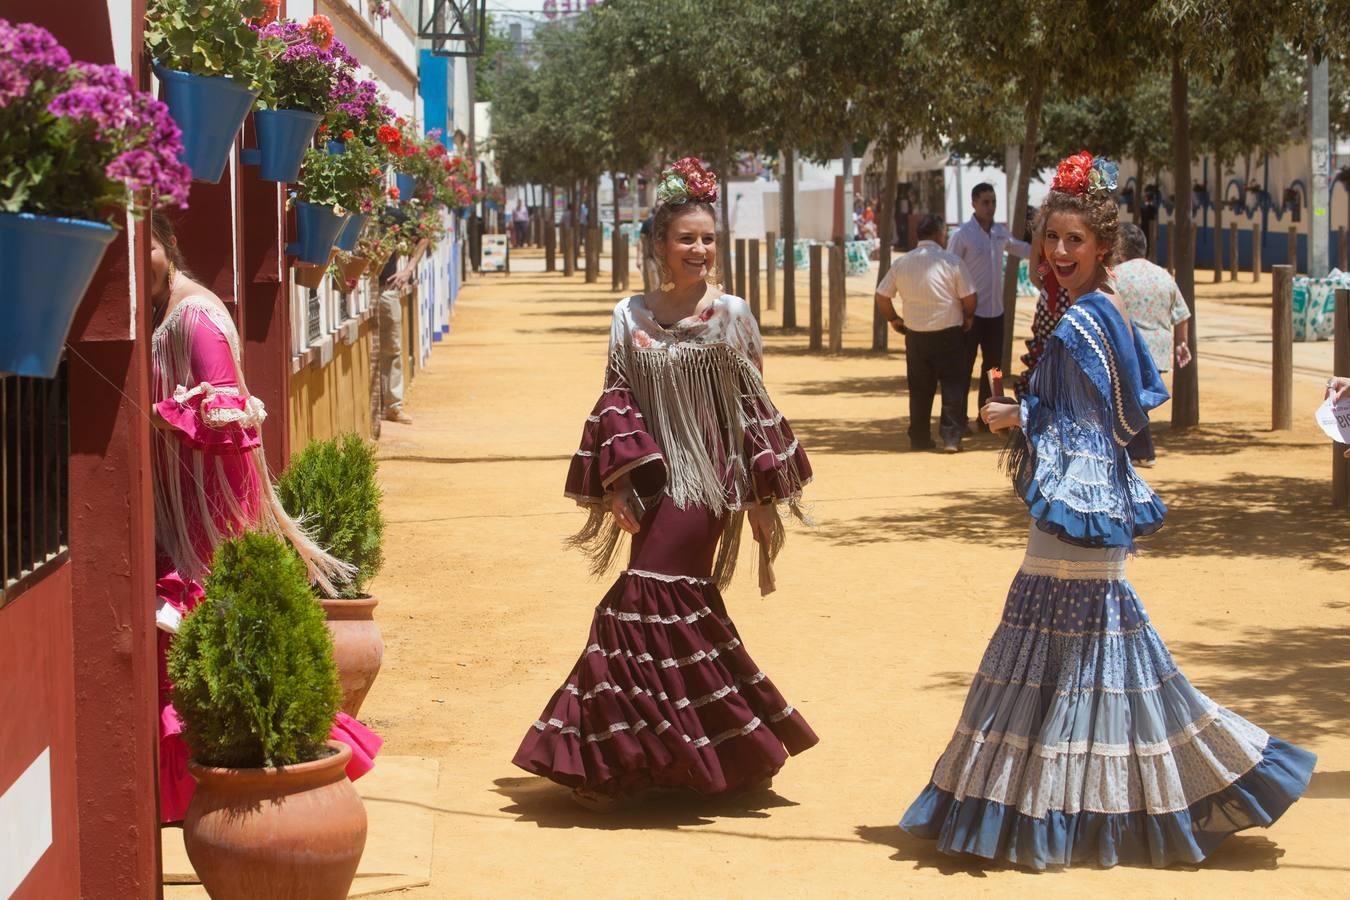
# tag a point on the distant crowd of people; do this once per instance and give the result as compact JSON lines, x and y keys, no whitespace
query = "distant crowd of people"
{"x":946,"y":297}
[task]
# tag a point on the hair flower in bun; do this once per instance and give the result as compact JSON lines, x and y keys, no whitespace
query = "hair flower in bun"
{"x":1082,"y":174}
{"x":687,"y":180}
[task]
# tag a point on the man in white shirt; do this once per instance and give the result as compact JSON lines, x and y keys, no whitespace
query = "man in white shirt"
{"x":981,"y":243}
{"x":938,"y":302}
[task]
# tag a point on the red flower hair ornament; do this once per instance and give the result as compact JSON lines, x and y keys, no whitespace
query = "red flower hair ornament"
{"x":687,"y":180}
{"x":1082,"y":174}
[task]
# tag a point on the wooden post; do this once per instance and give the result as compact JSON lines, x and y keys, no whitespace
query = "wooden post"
{"x":1340,"y":466}
{"x":753,"y":283}
{"x":1282,"y":349}
{"x":550,"y":247}
{"x":741,"y":290}
{"x":1340,"y":247}
{"x":1233,"y":252}
{"x":594,"y":238}
{"x":568,"y":254}
{"x":1292,"y":258}
{"x":817,"y":313}
{"x":1256,"y":252}
{"x":615,"y":260}
{"x":1153,"y":240}
{"x":625,"y":269}
{"x":837,"y":295}
{"x":1218,"y":240}
{"x":771,"y":268}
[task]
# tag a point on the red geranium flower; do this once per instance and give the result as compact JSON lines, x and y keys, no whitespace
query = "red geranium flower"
{"x":347,"y":135}
{"x":393,"y":193}
{"x":271,"y":9}
{"x":323,"y":128}
{"x":1072,"y":175}
{"x":320,"y":31}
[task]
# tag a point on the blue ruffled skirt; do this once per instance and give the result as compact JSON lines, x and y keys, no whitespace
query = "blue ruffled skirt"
{"x":1082,"y":743}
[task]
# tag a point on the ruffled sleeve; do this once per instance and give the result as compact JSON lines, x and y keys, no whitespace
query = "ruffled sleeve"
{"x":1077,"y":483}
{"x":615,"y":442}
{"x":211,"y":412}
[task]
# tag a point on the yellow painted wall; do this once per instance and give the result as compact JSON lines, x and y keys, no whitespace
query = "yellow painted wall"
{"x":330,"y":400}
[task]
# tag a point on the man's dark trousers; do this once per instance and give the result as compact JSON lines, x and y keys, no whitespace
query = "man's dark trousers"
{"x":934,"y":358}
{"x":985,"y":338}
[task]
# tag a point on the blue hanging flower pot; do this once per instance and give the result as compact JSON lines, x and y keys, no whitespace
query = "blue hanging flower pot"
{"x":48,"y":263}
{"x":335,"y":148}
{"x":319,"y":227}
{"x":406,"y":185}
{"x":283,"y":137}
{"x":351,"y":232}
{"x":209,"y":110}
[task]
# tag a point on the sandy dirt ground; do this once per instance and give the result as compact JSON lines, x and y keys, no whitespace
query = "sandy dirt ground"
{"x":882,"y":613}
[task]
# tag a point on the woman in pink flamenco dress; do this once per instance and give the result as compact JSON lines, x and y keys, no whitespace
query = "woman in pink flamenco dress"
{"x":211,"y":482}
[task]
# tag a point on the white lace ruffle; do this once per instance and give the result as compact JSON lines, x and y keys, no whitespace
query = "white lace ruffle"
{"x":1074,"y":569}
{"x":1037,"y":781}
{"x":252,"y":415}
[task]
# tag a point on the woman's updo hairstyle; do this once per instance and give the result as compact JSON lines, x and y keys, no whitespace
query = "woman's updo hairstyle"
{"x":686,"y":185}
{"x":162,"y":229}
{"x":1086,"y":187}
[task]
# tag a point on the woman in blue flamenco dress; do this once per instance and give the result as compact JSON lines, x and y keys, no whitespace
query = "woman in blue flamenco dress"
{"x":1081,"y":742}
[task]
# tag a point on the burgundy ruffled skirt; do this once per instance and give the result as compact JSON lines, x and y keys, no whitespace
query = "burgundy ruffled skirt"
{"x":664,"y":693}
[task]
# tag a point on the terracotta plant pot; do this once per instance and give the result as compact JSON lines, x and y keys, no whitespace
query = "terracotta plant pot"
{"x":358,"y":648}
{"x":351,"y":266}
{"x":377,"y":265}
{"x":310,"y":276}
{"x":295,"y":832}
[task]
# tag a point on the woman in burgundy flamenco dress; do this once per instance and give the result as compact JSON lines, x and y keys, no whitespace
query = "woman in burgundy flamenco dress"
{"x":682,"y":447}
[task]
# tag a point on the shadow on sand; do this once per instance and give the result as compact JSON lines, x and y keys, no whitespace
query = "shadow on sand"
{"x":1290,"y":681}
{"x":550,"y":805}
{"x":1240,"y":853}
{"x":1243,"y":516}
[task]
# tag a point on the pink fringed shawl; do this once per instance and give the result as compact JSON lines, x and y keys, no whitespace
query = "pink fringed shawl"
{"x":211,"y":479}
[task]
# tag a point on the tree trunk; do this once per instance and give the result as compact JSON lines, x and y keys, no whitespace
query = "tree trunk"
{"x":881,"y":329}
{"x":845,"y":232}
{"x":1018,"y":223}
{"x":614,"y":181}
{"x":724,"y":238}
{"x":1185,"y":382}
{"x":788,"y":209}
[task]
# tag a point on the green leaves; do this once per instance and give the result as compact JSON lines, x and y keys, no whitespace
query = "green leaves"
{"x":252,"y":665}
{"x":208,"y":37}
{"x":331,"y":487}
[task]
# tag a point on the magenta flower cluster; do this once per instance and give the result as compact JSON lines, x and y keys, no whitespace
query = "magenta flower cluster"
{"x":304,"y":72}
{"x":78,"y":138}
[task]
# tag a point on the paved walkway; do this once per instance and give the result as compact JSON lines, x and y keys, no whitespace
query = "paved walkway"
{"x":882,"y":613}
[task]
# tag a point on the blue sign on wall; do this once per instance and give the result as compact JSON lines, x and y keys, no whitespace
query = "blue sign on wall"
{"x":434,"y":87}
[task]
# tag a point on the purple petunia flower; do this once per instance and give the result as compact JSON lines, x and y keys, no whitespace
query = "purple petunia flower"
{"x":119,"y":133}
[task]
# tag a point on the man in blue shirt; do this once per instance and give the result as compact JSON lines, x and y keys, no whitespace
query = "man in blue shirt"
{"x":981,"y":243}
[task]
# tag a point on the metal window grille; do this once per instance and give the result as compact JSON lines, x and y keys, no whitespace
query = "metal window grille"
{"x":312,"y":319}
{"x":34,"y":479}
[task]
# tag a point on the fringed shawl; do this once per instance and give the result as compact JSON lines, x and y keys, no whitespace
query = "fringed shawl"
{"x":684,"y":410}
{"x":1089,"y":396}
{"x":211,"y":479}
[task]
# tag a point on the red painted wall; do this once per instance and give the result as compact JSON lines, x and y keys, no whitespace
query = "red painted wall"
{"x":265,"y":310}
{"x":109,"y":585}
{"x":37,"y":707}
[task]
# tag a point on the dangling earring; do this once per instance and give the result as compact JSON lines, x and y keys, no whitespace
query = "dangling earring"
{"x":172,"y":274}
{"x":667,"y":276}
{"x":711,"y":277}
